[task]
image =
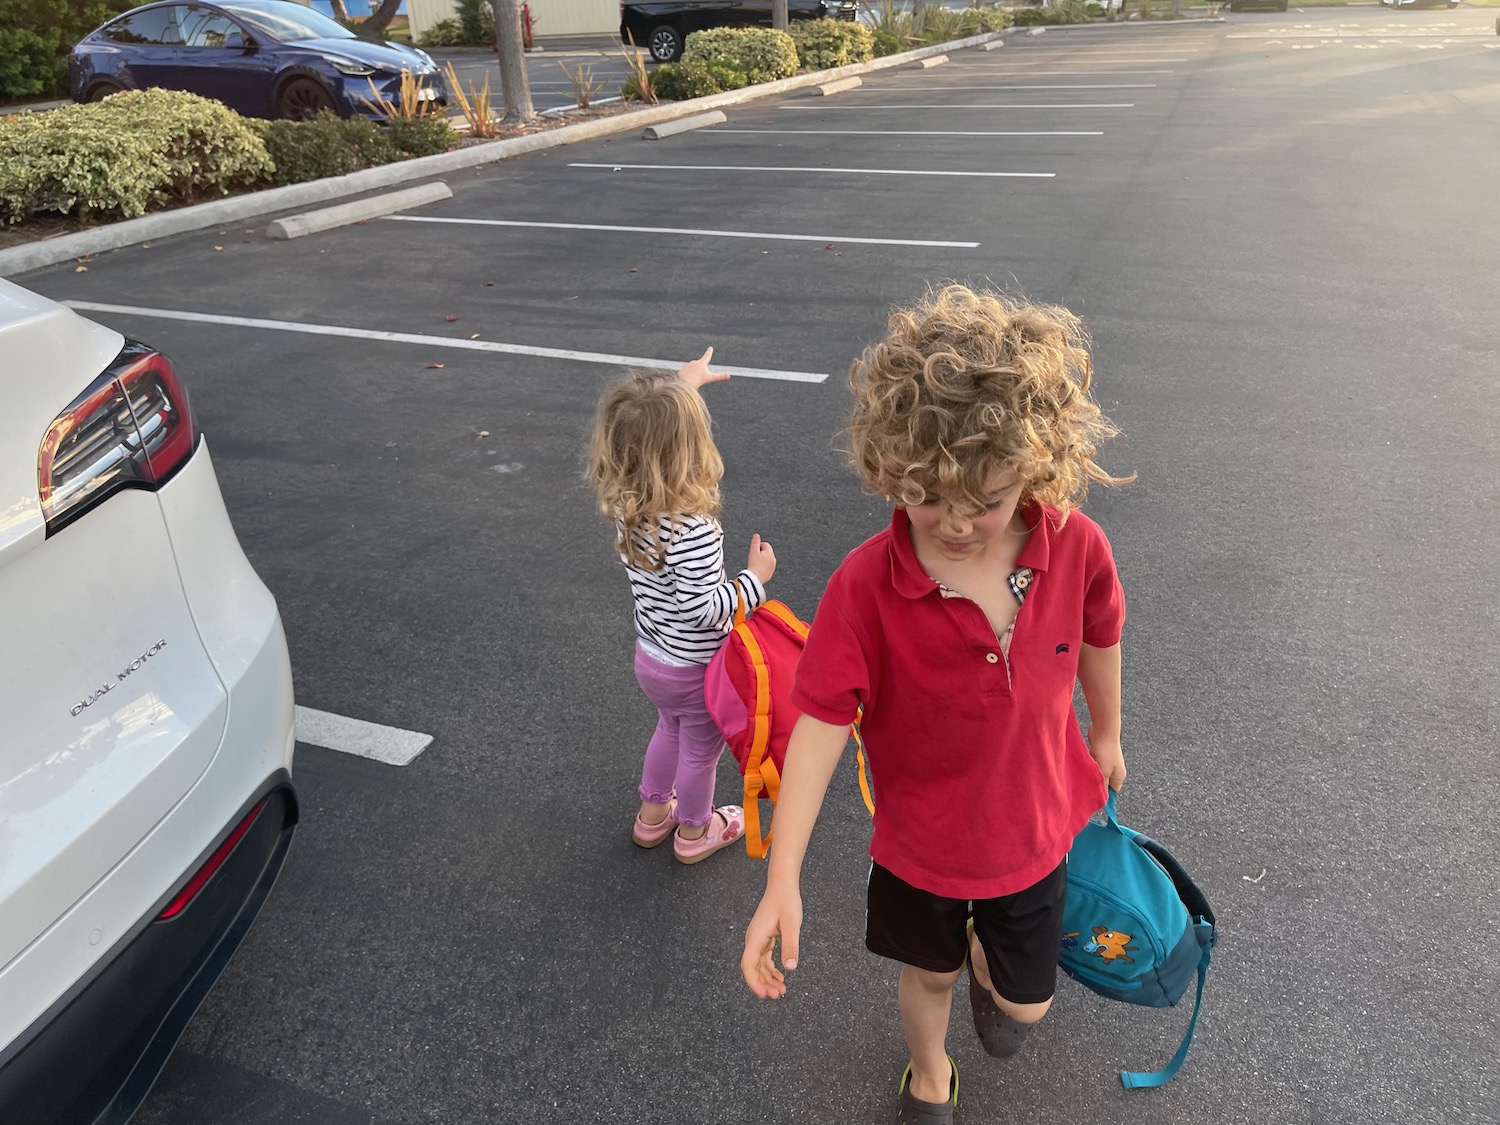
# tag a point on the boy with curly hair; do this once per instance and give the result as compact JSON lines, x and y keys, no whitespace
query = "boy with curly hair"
{"x":958,"y":634}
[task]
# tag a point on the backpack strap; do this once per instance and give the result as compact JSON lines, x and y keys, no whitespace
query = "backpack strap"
{"x":864,"y":778}
{"x":760,"y":771}
{"x":1139,"y":1080}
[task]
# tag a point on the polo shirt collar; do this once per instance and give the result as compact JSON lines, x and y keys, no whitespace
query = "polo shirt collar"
{"x":912,"y":581}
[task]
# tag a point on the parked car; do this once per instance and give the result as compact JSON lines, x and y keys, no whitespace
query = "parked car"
{"x":146,"y":800}
{"x":662,"y":26}
{"x":262,"y":58}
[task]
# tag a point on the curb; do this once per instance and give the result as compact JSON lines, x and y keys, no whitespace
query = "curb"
{"x":35,"y":255}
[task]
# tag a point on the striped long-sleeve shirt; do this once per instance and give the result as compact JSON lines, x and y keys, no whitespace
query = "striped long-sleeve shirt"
{"x":684,"y":611}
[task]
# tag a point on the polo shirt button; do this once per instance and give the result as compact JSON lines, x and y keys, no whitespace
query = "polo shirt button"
{"x":992,"y":658}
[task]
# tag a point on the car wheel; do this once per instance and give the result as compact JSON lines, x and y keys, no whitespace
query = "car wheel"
{"x":664,"y":43}
{"x":101,"y":90}
{"x":302,"y":99}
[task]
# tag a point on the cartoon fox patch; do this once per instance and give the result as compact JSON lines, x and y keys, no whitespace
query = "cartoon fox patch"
{"x":1111,"y":945}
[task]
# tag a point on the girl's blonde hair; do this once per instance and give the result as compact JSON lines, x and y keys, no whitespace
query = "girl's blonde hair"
{"x":653,"y":454}
{"x":968,"y":385}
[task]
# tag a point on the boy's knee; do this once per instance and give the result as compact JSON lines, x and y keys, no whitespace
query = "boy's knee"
{"x":1024,"y":1013}
{"x":934,"y":982}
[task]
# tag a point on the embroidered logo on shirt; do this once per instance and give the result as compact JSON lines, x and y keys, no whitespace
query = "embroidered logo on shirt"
{"x":1062,"y":648}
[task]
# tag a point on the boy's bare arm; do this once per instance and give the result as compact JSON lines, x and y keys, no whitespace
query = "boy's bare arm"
{"x":811,"y":756}
{"x":1099,"y":673}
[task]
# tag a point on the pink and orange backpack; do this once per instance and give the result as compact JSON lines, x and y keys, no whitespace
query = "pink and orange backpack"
{"x":748,"y":689}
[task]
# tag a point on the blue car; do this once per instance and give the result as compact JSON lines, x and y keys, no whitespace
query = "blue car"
{"x":262,"y":58}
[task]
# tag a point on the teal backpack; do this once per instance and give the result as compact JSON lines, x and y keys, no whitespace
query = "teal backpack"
{"x":1135,"y":926}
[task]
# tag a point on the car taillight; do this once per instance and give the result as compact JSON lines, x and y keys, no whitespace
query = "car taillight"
{"x":206,"y":872}
{"x":132,"y":428}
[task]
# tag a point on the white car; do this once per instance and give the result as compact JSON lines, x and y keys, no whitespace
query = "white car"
{"x":146,"y":800}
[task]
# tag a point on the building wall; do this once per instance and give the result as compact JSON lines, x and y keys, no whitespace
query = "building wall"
{"x":549,"y":18}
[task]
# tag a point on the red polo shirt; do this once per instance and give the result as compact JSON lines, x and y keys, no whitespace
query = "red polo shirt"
{"x":982,"y":777}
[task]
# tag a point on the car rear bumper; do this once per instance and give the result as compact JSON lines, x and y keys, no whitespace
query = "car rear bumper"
{"x":95,"y":1054}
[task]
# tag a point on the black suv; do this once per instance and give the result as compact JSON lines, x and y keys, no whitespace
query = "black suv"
{"x":661,"y":25}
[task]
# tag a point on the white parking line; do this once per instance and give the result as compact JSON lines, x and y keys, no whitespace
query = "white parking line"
{"x":987,"y":105}
{"x":915,"y":133}
{"x":844,"y":171}
{"x":686,"y":230}
{"x":1032,"y":86}
{"x":1107,"y":59}
{"x":391,"y":745}
{"x":437,"y":341}
{"x":1060,"y":73}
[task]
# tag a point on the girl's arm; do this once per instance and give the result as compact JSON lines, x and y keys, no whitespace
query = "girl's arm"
{"x":811,"y":756}
{"x":697,"y":563}
{"x":1099,"y":673}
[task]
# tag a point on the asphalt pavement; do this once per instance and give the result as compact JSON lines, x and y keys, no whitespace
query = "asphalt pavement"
{"x":1282,"y":233}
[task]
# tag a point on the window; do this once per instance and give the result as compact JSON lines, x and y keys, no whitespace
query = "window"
{"x":204,"y":28}
{"x":152,"y":26}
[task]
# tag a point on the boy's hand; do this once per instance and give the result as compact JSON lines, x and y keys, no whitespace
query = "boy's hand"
{"x":1110,"y":759}
{"x":762,"y":562}
{"x":779,"y":913}
{"x":696,"y":374}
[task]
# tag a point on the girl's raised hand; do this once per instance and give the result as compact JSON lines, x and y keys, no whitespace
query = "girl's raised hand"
{"x":697,"y":374}
{"x":762,"y":562}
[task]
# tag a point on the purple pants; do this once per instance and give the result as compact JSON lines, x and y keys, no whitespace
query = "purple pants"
{"x":685,"y":748}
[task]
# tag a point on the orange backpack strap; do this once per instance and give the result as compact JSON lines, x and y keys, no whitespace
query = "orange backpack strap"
{"x":760,"y":771}
{"x":864,"y":779}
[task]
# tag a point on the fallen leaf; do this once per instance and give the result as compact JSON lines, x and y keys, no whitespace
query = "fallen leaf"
{"x":475,"y":336}
{"x":450,"y":318}
{"x":434,"y":367}
{"x":633,"y":269}
{"x":218,"y":247}
{"x":574,"y":297}
{"x":484,"y":433}
{"x":360,"y":222}
{"x":828,"y":247}
{"x":489,"y":284}
{"x":80,"y":269}
{"x":245,"y":241}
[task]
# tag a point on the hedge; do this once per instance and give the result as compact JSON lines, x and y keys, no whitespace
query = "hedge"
{"x":125,"y":155}
{"x":143,"y":150}
{"x":762,"y":53}
{"x":36,"y":36}
{"x":824,"y":44}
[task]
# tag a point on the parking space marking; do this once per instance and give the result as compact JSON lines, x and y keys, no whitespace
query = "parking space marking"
{"x":1064,"y":73}
{"x":391,"y":745}
{"x":437,"y":341}
{"x":686,"y":230}
{"x":987,"y":105}
{"x":836,"y":171}
{"x":918,"y":132}
{"x":1033,"y":86}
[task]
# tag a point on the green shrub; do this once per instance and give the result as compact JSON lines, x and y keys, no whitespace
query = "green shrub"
{"x":824,"y":44}
{"x":444,"y":33}
{"x":1029,"y":17}
{"x":426,"y":135}
{"x":680,"y":81}
{"x":325,"y":146}
{"x":994,"y":18}
{"x":886,"y":43}
{"x":471,"y":20}
{"x":753,"y":50}
{"x":35,"y":62}
{"x":1093,"y":10}
{"x":125,"y":155}
{"x":29,"y":66}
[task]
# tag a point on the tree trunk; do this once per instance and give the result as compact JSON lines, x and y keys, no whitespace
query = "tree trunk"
{"x":515,"y":87}
{"x":778,"y":15}
{"x":340,"y":12}
{"x":380,"y":19}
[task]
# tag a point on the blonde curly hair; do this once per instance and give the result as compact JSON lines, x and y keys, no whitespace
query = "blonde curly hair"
{"x":652,"y":454}
{"x":967,"y":385}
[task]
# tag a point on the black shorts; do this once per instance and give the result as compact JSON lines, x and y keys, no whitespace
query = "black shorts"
{"x":1020,"y":933}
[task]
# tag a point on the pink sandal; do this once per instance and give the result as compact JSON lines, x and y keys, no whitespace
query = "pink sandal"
{"x":696,"y":851}
{"x":649,"y":835}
